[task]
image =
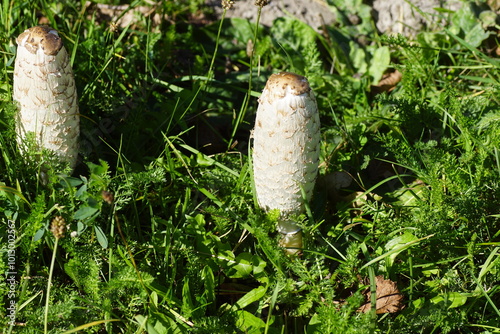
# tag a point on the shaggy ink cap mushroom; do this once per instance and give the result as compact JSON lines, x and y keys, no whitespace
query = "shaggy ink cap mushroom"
{"x":286,"y":150}
{"x":45,"y":92}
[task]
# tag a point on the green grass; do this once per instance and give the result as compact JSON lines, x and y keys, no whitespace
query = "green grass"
{"x":183,"y":248}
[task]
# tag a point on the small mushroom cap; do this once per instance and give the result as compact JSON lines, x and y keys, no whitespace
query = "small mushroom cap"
{"x":42,"y":38}
{"x":284,"y":83}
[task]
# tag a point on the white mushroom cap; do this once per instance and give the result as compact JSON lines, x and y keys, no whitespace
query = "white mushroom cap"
{"x":45,"y":91}
{"x":286,"y":146}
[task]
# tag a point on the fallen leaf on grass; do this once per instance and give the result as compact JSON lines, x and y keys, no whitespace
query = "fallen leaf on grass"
{"x":389,"y":299}
{"x":388,"y":82}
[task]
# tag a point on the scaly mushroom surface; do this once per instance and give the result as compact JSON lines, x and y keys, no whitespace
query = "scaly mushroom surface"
{"x":44,"y":89}
{"x":286,"y":150}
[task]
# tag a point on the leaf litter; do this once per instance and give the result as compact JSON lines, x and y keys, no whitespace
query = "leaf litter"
{"x":389,"y":298}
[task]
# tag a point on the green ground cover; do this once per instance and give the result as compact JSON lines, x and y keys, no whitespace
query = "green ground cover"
{"x":164,"y":235}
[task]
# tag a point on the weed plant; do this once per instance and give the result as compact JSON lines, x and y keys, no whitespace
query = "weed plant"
{"x":160,"y":230}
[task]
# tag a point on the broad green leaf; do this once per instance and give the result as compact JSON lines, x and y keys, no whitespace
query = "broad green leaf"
{"x":203,"y":161}
{"x":159,"y":323}
{"x":248,"y":323}
{"x":452,"y":299}
{"x":395,"y":244}
{"x":80,"y":227}
{"x":195,"y":224}
{"x":92,"y":202}
{"x":433,"y":39}
{"x":432,"y":270}
{"x":70,"y":182}
{"x":379,"y":63}
{"x":142,"y":320}
{"x":81,"y":191}
{"x":476,"y":35}
{"x":251,"y":297}
{"x":358,"y":58}
{"x":243,"y":265}
{"x":464,"y":19}
{"x":314,"y":324}
{"x":258,"y":264}
{"x":39,"y":234}
{"x":418,"y":303}
{"x":207,"y":275}
{"x":101,"y":237}
{"x":395,"y":250}
{"x":84,"y":212}
{"x":187,"y":301}
{"x":399,"y":240}
{"x":292,"y":33}
{"x":241,"y":29}
{"x":100,"y":170}
{"x":200,"y":220}
{"x":488,"y":18}
{"x":154,"y":298}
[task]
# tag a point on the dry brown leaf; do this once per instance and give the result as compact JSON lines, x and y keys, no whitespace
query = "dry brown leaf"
{"x":389,"y":299}
{"x":494,"y":4}
{"x":388,"y":82}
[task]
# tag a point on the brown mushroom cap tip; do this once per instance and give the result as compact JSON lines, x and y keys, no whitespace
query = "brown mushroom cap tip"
{"x":288,"y":82}
{"x":41,"y":37}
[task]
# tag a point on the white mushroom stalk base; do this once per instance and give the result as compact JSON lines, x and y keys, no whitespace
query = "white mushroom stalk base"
{"x":290,"y":236}
{"x":286,"y":151}
{"x":292,"y":243}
